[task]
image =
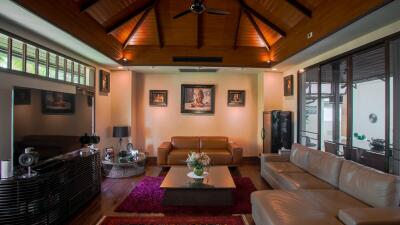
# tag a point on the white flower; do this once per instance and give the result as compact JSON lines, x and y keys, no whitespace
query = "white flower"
{"x":198,"y":160}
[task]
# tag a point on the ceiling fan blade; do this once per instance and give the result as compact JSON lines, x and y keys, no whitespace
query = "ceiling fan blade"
{"x":181,"y":14}
{"x":217,"y":11}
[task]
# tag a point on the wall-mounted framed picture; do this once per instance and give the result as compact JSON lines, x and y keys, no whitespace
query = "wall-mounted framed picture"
{"x":158,"y":98}
{"x":288,"y":85}
{"x":22,"y":96}
{"x":236,"y":98}
{"x":104,"y":85}
{"x":57,"y":103}
{"x":197,"y":98}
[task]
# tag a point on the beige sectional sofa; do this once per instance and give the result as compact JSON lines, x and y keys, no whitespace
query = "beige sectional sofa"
{"x":318,"y":188}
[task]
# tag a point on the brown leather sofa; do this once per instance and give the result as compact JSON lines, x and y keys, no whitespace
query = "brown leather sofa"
{"x":219,"y":149}
{"x":318,"y":188}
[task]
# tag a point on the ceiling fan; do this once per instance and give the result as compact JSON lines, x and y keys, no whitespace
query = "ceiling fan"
{"x":198,"y":7}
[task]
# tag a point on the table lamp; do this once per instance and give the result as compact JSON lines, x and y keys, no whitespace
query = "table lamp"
{"x":121,"y":132}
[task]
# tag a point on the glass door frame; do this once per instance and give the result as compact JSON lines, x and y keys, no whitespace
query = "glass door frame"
{"x":396,"y":99}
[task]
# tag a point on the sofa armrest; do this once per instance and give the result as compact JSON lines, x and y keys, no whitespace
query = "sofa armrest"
{"x":271,"y":157}
{"x":236,"y":151}
{"x":162,"y":153}
{"x":370,"y":216}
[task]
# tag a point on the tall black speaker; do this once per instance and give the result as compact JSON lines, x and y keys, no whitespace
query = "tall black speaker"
{"x":276,"y":143}
{"x":285,"y":120}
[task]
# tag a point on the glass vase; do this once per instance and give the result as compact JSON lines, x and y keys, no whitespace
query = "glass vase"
{"x":198,"y":171}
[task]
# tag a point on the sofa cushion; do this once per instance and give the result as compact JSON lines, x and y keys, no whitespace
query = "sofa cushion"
{"x":370,"y":216}
{"x":371,"y":186}
{"x":279,"y":167}
{"x":213,"y":143}
{"x":301,"y":207}
{"x":179,"y":156}
{"x":295,"y":181}
{"x":273,"y":170}
{"x":325,"y":166}
{"x":185,"y":143}
{"x":219,"y":156}
{"x":300,"y":156}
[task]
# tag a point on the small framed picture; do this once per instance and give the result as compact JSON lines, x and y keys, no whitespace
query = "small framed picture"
{"x":104,"y":81}
{"x":236,"y":98}
{"x":158,"y":98}
{"x":54,"y":103}
{"x":109,"y":154}
{"x":22,"y":96}
{"x":197,"y":98}
{"x":288,"y":85}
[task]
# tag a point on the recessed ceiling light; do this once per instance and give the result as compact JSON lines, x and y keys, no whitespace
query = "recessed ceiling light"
{"x":120,"y":67}
{"x":274,"y":69}
{"x":301,"y":70}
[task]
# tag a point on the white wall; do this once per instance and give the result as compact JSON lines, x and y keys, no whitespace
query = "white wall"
{"x":157,"y":124}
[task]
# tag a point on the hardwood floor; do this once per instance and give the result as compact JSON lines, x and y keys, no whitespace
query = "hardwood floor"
{"x":113,"y":191}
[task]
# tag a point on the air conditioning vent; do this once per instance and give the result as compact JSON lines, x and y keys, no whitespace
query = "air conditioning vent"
{"x":197,"y":59}
{"x":198,"y":70}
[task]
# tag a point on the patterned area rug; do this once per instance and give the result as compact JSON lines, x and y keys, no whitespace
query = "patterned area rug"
{"x":147,"y":196}
{"x":176,"y":220}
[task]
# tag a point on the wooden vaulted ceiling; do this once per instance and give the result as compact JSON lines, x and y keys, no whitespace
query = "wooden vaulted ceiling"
{"x":255,"y":31}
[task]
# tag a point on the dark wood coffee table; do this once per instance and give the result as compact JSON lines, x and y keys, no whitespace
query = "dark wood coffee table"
{"x":215,"y":189}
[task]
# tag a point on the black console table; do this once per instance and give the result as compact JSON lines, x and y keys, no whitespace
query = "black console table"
{"x":51,"y":197}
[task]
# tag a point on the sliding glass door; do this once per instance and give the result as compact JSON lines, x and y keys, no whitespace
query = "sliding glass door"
{"x":309,"y":105}
{"x":334,"y":103}
{"x":350,"y":106}
{"x":394,"y":137}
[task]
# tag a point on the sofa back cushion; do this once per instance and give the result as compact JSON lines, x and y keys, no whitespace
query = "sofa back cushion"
{"x":371,"y":186}
{"x":300,"y":156}
{"x":213,"y":142}
{"x":185,"y":143}
{"x":325,"y":166}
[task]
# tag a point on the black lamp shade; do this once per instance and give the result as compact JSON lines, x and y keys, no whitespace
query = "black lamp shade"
{"x":120,"y":132}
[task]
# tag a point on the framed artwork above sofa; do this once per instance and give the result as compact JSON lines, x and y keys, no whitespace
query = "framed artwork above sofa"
{"x":197,"y":98}
{"x":158,"y":98}
{"x":236,"y":98}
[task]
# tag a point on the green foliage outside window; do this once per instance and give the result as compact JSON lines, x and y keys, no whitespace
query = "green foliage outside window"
{"x":3,"y":51}
{"x":29,"y":58}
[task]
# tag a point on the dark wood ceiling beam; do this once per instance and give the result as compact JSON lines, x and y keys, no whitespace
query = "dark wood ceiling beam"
{"x":87,"y":4}
{"x":262,"y":18}
{"x":237,"y":29}
{"x":258,"y":30}
{"x":300,"y":7}
{"x":158,"y":26}
{"x":136,"y":28}
{"x":199,"y":30}
{"x":127,"y":18}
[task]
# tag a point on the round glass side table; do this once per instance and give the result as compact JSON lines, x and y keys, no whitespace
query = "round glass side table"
{"x":117,"y":169}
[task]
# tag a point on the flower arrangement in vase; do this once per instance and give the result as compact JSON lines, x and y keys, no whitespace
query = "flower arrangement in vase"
{"x":197,"y":162}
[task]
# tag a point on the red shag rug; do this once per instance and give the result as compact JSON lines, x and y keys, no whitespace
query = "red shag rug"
{"x":147,"y":197}
{"x":176,"y":220}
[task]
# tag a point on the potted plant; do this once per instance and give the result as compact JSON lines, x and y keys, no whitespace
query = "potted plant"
{"x":197,"y":162}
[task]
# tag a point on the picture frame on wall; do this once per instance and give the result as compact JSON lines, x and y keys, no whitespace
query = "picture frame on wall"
{"x":288,"y":85}
{"x":236,"y":98}
{"x":54,"y":103}
{"x":158,"y":98}
{"x":104,"y":81}
{"x":22,"y":96}
{"x":198,"y":98}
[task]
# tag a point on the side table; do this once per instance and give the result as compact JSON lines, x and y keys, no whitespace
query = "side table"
{"x":115,"y":169}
